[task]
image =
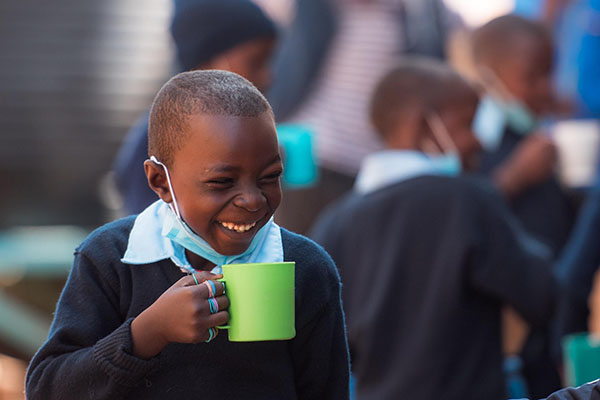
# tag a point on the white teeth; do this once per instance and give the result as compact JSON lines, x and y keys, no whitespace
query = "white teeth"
{"x":238,"y":228}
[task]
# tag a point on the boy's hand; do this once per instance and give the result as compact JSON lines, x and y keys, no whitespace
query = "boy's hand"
{"x":181,"y":314}
{"x":530,"y":163}
{"x":594,"y":306}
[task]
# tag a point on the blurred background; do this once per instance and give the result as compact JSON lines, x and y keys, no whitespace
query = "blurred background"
{"x":75,"y":75}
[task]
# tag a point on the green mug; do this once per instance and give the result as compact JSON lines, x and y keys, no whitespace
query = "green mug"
{"x":261,"y":297}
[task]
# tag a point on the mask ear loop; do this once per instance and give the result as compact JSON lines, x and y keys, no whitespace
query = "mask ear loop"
{"x":440,"y":132}
{"x":174,"y":207}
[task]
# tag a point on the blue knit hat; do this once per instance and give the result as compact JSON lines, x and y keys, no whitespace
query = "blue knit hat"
{"x":203,"y":29}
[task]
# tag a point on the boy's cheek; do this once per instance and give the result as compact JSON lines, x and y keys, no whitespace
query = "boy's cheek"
{"x":278,"y":199}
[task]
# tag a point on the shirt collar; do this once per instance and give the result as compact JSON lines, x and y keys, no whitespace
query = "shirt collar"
{"x":147,"y":244}
{"x":387,"y":167}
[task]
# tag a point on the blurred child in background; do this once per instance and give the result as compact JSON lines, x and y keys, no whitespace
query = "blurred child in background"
{"x":514,"y":59}
{"x":428,"y":258}
{"x":232,"y":35}
{"x":324,"y":75}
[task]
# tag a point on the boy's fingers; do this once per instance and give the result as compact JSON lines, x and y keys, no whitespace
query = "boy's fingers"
{"x":208,"y":287}
{"x":223,"y":302}
{"x":218,"y":319}
{"x":219,"y":286}
{"x":215,"y":333}
{"x":200,"y":277}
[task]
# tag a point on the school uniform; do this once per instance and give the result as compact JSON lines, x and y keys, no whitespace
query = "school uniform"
{"x":427,"y":260}
{"x":123,"y":267}
{"x":589,"y":391}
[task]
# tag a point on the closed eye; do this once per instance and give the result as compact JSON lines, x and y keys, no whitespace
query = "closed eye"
{"x":220,"y":182}
{"x":271,"y":177}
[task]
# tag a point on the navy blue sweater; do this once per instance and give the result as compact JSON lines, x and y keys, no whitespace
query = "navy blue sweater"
{"x":88,"y":353}
{"x":589,"y":391}
{"x":427,"y":265}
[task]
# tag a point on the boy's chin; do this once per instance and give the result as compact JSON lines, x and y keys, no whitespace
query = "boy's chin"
{"x":230,"y":242}
{"x":232,"y":250}
{"x":231,"y":246}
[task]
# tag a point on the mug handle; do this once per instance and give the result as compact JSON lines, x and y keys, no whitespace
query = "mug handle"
{"x":222,"y":326}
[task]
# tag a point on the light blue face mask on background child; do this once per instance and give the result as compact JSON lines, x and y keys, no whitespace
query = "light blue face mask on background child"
{"x":493,"y":116}
{"x":489,"y":123}
{"x":499,"y":110}
{"x":519,"y":117}
{"x":175,"y":228}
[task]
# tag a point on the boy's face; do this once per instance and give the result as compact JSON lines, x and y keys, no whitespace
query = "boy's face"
{"x":458,"y":120}
{"x":250,"y":60}
{"x":226,"y":178}
{"x":527,"y":72}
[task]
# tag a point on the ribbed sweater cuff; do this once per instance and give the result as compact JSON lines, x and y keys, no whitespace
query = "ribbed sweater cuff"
{"x":113,"y":355}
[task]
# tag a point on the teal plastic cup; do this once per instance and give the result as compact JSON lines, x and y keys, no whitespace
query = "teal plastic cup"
{"x":299,"y":164}
{"x":581,"y":353}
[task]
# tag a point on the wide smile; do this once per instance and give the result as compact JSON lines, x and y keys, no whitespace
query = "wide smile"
{"x":239,"y":229}
{"x":236,"y":227}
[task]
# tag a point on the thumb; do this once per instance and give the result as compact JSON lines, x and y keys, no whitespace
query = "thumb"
{"x":200,"y":276}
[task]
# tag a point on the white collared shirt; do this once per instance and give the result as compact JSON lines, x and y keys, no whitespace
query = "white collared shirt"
{"x":147,"y":243}
{"x":387,"y":167}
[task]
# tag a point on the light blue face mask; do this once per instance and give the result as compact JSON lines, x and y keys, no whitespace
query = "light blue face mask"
{"x":500,"y":109}
{"x":519,"y":117}
{"x":446,"y":164}
{"x":489,"y":123}
{"x":493,"y":115}
{"x":175,"y":228}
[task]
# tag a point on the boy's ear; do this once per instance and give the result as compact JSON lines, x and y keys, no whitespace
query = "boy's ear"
{"x":157,"y":180}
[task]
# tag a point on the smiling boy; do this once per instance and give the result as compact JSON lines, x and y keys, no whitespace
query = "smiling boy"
{"x":134,"y":319}
{"x":222,"y":155}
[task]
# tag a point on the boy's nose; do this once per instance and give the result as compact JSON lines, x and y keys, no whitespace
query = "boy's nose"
{"x":250,"y":199}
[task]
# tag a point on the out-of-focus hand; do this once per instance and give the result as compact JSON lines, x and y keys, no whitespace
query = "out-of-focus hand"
{"x":530,"y":163}
{"x":594,"y":306}
{"x":181,"y":314}
{"x":514,"y":331}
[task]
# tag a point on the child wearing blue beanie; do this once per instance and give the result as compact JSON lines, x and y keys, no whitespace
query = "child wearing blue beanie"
{"x":232,"y":35}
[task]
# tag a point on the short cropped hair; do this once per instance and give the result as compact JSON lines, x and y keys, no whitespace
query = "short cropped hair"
{"x":415,"y":82}
{"x":496,"y":38}
{"x":206,"y":92}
